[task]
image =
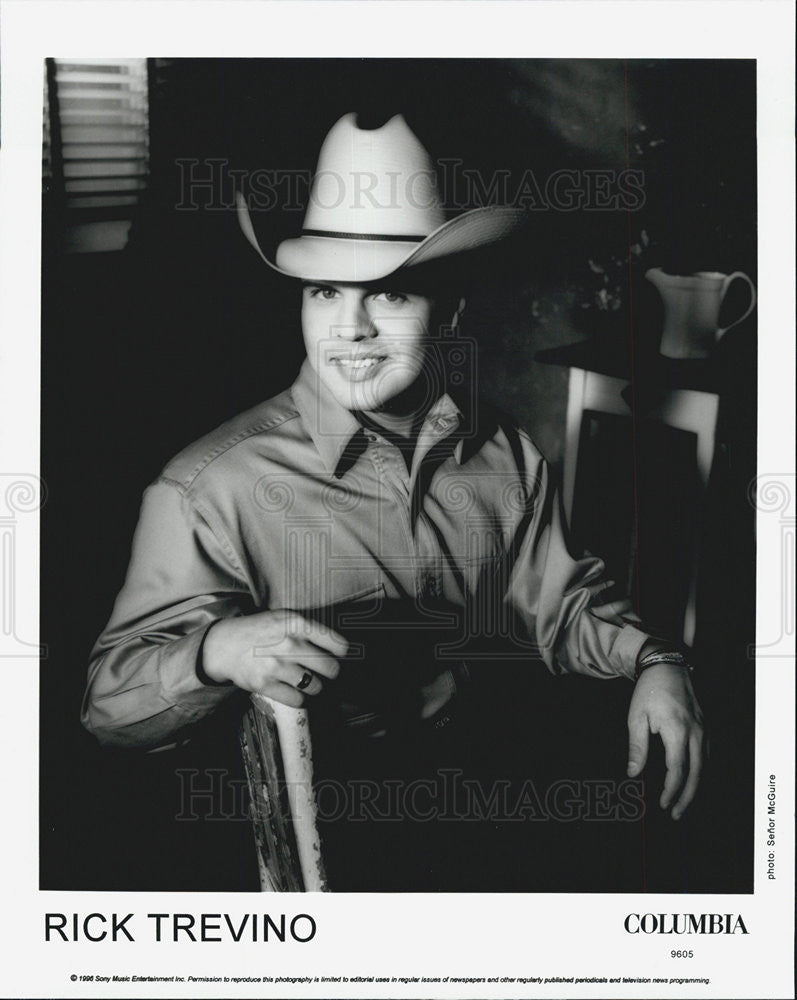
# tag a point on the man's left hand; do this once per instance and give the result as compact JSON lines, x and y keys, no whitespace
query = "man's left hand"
{"x":664,"y":702}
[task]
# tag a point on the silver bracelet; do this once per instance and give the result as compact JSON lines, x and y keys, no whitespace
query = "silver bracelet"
{"x":661,"y":656}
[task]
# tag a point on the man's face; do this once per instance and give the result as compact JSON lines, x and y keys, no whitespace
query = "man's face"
{"x":367,"y":344}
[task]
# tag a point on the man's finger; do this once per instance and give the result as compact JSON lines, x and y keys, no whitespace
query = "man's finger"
{"x":301,"y":677}
{"x":638,"y":737}
{"x":314,"y":658}
{"x":285,"y":693}
{"x":319,"y":634}
{"x":695,"y":766}
{"x":675,"y":753}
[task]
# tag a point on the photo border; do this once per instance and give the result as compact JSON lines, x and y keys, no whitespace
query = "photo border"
{"x":405,"y":936}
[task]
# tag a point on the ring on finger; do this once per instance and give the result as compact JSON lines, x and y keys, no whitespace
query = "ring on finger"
{"x":305,"y":680}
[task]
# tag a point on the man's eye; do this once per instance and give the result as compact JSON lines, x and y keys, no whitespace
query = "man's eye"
{"x":320,"y":292}
{"x":393,"y":298}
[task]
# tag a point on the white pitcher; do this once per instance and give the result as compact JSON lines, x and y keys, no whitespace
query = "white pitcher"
{"x":691,"y":310}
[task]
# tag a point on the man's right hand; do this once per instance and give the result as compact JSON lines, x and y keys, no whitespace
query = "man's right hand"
{"x":270,"y":652}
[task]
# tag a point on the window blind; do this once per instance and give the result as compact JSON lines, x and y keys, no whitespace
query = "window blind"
{"x":99,"y":147}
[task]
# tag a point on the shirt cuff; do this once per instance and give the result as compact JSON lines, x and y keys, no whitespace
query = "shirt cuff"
{"x":199,"y":664}
{"x":629,"y":642}
{"x":181,"y":685}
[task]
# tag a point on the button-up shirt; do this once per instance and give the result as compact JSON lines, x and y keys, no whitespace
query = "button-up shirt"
{"x":295,"y":504}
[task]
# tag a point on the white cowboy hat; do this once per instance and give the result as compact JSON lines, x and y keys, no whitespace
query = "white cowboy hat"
{"x":374,"y":210}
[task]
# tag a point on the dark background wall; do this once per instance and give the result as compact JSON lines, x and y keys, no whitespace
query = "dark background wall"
{"x":145,"y":350}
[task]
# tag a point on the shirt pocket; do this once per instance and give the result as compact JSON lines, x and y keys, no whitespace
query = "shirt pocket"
{"x":375,"y":591}
{"x":350,"y":607}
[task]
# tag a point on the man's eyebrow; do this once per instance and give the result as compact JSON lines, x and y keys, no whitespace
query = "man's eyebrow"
{"x":377,"y":288}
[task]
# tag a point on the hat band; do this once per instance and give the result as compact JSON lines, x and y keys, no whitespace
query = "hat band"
{"x":378,"y":237}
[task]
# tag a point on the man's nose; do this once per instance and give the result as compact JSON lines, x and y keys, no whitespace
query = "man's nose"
{"x":356,"y":321}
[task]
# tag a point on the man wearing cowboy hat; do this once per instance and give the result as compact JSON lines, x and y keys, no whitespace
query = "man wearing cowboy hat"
{"x":365,"y":481}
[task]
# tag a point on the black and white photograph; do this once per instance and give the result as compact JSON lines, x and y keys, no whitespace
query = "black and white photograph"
{"x":444,"y":424}
{"x":401,"y":509}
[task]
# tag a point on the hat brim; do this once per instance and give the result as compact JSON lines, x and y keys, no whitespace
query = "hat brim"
{"x":330,"y":258}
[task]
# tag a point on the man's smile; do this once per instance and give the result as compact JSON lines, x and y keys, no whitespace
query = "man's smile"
{"x":356,"y":365}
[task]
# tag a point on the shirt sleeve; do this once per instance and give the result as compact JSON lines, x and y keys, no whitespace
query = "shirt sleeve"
{"x":143,"y":687}
{"x":561,"y":601}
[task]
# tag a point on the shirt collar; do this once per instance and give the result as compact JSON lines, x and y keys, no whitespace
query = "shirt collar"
{"x":332,"y":427}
